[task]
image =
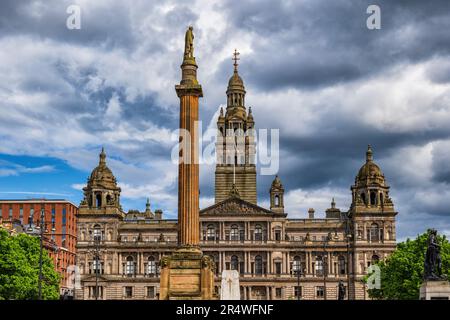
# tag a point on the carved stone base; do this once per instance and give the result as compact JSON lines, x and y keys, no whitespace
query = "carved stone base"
{"x":435,"y":290}
{"x":187,"y":275}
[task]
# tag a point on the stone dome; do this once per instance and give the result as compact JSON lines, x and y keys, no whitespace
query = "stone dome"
{"x":276,"y":183}
{"x":370,"y":170}
{"x":102,"y":175}
{"x":236,"y":81}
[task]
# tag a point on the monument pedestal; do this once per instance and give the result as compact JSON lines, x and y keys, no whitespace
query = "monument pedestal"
{"x":435,"y":290}
{"x":187,"y":275}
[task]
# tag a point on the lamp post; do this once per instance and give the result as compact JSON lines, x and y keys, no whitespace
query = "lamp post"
{"x":325,"y":266}
{"x":42,"y":230}
{"x":348,"y":237}
{"x":299,"y":272}
{"x":97,"y":253}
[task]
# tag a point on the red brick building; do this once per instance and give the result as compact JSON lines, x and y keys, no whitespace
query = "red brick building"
{"x":60,"y":215}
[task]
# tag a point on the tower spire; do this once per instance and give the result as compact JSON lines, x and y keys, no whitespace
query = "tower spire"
{"x":235,"y":58}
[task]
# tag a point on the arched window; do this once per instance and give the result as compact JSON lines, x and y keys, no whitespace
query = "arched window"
{"x":211,"y":233}
{"x":363,"y":197}
{"x":341,"y":264}
{"x":99,"y":200}
{"x":373,"y":198}
{"x":129,"y":267}
{"x":108,"y":199}
{"x":374,"y":232}
{"x":319,"y":266}
{"x":97,"y":233}
{"x":234,"y":234}
{"x":277,"y":200}
{"x":151,"y":266}
{"x":258,"y":265}
{"x":381,"y":198}
{"x":258,"y":232}
{"x":234,"y":263}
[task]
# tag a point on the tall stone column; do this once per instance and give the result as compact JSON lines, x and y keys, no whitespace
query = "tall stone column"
{"x":188,"y":169}
{"x":187,"y":273}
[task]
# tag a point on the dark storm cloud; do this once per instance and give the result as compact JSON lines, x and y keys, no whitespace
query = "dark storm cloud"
{"x":103,"y":24}
{"x":319,"y":43}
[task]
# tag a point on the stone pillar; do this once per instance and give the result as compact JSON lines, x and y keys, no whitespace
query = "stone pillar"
{"x":187,"y":273}
{"x":188,"y":169}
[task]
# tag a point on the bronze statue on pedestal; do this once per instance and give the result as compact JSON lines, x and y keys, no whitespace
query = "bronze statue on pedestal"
{"x":433,"y":262}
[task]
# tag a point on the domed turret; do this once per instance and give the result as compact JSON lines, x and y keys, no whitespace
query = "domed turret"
{"x":102,"y":176}
{"x":276,"y":196}
{"x":370,"y":172}
{"x":370,"y":188}
{"x":101,"y":190}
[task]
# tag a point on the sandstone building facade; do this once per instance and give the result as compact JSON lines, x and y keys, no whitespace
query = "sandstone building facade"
{"x":277,"y":257}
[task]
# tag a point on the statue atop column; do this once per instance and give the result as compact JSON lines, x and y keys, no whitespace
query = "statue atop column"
{"x":189,"y":44}
{"x":433,"y":264}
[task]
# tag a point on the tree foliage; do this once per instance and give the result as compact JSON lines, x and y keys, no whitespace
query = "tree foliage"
{"x":19,"y":269}
{"x":402,"y":271}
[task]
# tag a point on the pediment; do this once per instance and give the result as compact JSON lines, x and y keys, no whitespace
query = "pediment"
{"x":234,"y":206}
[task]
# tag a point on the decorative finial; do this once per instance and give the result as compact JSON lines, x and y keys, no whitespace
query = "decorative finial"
{"x":333,"y":204}
{"x":102,"y":156}
{"x":249,"y":110}
{"x":221,"y":111}
{"x":147,"y":205}
{"x":235,"y":58}
{"x":369,"y":153}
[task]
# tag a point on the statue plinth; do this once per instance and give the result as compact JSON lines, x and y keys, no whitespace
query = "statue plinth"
{"x":435,"y":290}
{"x":187,"y":275}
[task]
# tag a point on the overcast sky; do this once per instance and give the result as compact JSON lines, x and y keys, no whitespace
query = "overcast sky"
{"x":311,"y":68}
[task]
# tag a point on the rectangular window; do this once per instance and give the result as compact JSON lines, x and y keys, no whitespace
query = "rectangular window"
{"x":64,"y":218}
{"x":297,"y":291}
{"x":242,"y":235}
{"x":277,"y":235}
{"x":1,"y":211}
{"x":278,"y":268}
{"x":319,"y":266}
{"x":319,"y":292}
{"x":128,"y":291}
{"x":10,"y":213}
{"x":278,"y":293}
{"x":151,"y":292}
{"x":21,"y":214}
{"x":53,"y":215}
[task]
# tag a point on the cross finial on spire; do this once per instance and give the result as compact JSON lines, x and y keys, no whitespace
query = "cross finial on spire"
{"x":235,"y":58}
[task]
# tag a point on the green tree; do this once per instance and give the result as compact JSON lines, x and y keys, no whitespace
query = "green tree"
{"x":402,"y":271}
{"x":19,"y":269}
